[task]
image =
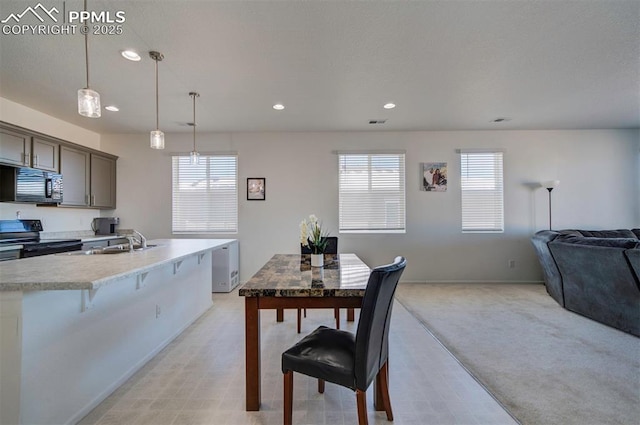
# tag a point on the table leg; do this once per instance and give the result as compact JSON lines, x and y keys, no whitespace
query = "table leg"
{"x":279,"y":315}
{"x":350,"y":315}
{"x":252,"y":353}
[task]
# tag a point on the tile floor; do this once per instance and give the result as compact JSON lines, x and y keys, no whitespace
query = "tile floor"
{"x":199,"y":378}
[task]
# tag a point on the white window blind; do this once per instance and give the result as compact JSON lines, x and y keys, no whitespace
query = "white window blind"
{"x":482,"y":191}
{"x":205,"y":195}
{"x":371,"y":193}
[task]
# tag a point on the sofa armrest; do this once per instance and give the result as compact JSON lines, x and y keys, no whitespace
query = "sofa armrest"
{"x":598,"y":283}
{"x":550,"y":272}
{"x":633,"y":256}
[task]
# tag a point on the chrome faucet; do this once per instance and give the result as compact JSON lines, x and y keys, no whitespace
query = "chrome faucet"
{"x":130,"y":239}
{"x":143,"y":240}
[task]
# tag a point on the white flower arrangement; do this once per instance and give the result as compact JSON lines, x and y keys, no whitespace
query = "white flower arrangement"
{"x":312,"y":235}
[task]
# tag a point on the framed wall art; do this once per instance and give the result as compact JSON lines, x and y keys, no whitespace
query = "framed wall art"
{"x":434,"y":176}
{"x":256,"y":188}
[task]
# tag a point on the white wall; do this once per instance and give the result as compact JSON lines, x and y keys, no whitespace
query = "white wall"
{"x":32,"y":119}
{"x":53,"y":219}
{"x":599,"y":189}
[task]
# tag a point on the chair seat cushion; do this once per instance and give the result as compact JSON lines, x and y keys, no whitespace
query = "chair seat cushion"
{"x":325,"y":353}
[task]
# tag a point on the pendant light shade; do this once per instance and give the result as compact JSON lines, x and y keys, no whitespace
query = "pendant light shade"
{"x":194,"y":155}
{"x":89,"y":103}
{"x":157,"y":139}
{"x":157,"y":136}
{"x":88,"y":100}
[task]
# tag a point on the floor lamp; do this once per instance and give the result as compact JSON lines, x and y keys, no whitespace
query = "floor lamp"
{"x":550,"y":185}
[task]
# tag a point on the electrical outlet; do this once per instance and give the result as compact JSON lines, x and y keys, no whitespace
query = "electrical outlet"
{"x":512,"y":264}
{"x":158,"y":311}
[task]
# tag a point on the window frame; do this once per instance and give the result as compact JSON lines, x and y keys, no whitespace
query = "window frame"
{"x":376,"y":187}
{"x":488,"y":183}
{"x":232,"y":202}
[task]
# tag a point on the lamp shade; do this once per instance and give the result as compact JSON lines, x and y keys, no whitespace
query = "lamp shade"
{"x":157,"y":139}
{"x":89,"y":103}
{"x":550,"y":184}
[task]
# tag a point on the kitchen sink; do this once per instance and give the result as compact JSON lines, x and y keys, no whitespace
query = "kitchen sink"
{"x":116,"y":249}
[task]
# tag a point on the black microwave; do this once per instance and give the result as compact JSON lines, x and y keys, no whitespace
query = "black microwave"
{"x":20,"y":184}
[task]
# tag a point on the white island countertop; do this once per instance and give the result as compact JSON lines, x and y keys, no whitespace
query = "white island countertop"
{"x":73,"y":272}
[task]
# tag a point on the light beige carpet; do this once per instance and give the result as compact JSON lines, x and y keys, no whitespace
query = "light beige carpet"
{"x":544,"y":364}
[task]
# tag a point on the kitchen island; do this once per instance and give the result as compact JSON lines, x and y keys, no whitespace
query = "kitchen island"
{"x":76,"y":327}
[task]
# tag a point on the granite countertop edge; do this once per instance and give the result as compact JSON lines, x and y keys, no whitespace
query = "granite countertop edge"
{"x":46,"y":282}
{"x":306,"y":292}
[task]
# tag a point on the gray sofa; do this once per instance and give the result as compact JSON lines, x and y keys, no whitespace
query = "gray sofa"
{"x":594,"y":273}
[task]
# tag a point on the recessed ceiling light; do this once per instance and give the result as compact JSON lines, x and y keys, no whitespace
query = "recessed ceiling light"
{"x":278,"y":106}
{"x":131,"y":55}
{"x":112,"y":108}
{"x":389,"y":106}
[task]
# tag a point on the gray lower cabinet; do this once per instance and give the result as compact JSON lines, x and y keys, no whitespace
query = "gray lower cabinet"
{"x":94,"y":245}
{"x":103,"y":243}
{"x":89,"y":179}
{"x":24,"y":150}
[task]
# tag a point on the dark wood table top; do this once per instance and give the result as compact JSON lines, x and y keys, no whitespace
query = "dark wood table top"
{"x":291,"y":275}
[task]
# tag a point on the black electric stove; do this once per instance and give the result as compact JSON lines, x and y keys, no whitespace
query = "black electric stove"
{"x":21,"y":239}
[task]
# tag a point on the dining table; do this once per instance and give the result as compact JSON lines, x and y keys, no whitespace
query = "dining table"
{"x":287,"y":281}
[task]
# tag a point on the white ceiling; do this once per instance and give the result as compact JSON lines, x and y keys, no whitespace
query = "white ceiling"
{"x":448,"y":65}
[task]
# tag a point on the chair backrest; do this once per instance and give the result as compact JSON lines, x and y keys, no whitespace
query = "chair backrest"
{"x":372,"y":346}
{"x":331,"y":248}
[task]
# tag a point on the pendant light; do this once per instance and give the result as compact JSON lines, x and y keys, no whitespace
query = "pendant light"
{"x":88,"y":100}
{"x":194,"y":155}
{"x":157,"y":136}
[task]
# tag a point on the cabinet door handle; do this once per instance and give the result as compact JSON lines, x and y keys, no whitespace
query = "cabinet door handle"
{"x":35,"y":160}
{"x":86,"y":199}
{"x":27,"y":159}
{"x":93,"y":199}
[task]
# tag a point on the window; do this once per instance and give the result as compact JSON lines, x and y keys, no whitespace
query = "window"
{"x":482,"y":194}
{"x":205,"y":196}
{"x":371,"y":193}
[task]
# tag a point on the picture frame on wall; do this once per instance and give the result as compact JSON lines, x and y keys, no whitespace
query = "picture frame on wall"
{"x":256,"y":188}
{"x":434,"y":176}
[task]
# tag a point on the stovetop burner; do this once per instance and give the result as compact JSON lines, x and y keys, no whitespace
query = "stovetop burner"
{"x":26,"y":233}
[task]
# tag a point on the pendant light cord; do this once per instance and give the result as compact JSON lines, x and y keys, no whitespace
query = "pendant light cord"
{"x":157,"y":99}
{"x":86,"y":47}
{"x":194,"y":122}
{"x":194,"y":119}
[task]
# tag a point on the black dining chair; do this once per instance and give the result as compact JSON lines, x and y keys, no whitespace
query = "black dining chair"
{"x":349,"y":360}
{"x":331,"y":248}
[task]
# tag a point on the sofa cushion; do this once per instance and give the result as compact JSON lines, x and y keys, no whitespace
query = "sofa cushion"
{"x":620,"y":233}
{"x":625,"y":243}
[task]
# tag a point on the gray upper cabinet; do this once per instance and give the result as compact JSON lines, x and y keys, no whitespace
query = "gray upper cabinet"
{"x":74,"y":167}
{"x":103,"y":181}
{"x":44,"y":154}
{"x":88,"y":176}
{"x":23,"y":149}
{"x":89,"y":179}
{"x":14,"y":148}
